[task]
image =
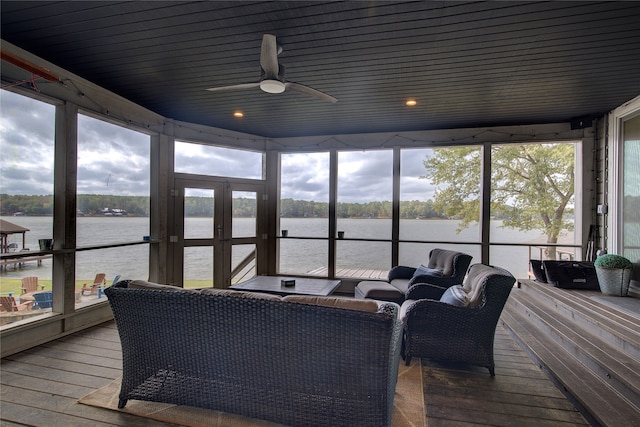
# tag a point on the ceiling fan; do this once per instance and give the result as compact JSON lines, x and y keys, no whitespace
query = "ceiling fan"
{"x":272,"y":77}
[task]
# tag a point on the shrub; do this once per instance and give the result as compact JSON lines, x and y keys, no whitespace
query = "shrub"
{"x":612,"y":261}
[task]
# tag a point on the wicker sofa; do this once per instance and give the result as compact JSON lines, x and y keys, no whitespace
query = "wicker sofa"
{"x":295,"y":360}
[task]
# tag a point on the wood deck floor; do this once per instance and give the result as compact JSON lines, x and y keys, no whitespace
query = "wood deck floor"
{"x":41,"y":387}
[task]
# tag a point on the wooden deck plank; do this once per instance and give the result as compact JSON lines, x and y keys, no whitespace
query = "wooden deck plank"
{"x":52,"y":373}
{"x":41,"y":387}
{"x":352,"y":273}
{"x":517,"y":409}
{"x":68,"y":413}
{"x":454,"y":416}
{"x":573,"y":375}
{"x":68,"y":365}
{"x":34,"y":416}
{"x":54,"y":388}
{"x":519,"y":394}
{"x":59,"y":405}
{"x":61,"y":354}
{"x":89,"y":351}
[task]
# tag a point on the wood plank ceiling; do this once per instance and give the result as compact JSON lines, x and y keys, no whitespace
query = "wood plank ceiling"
{"x":467,"y":64}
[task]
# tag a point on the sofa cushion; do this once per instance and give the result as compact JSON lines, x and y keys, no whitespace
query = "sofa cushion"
{"x":142,"y":284}
{"x":424,"y":270}
{"x":370,"y":306}
{"x":375,"y":289}
{"x":455,"y":295}
{"x":401,"y":284}
{"x":239,"y":294}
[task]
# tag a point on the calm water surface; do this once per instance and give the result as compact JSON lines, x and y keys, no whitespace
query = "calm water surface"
{"x":297,"y":256}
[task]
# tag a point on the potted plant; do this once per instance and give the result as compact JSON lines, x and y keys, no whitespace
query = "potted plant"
{"x":614,"y":274}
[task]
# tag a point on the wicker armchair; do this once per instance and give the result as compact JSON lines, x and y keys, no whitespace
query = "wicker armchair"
{"x":444,"y":269}
{"x":450,"y":265}
{"x":442,"y":331}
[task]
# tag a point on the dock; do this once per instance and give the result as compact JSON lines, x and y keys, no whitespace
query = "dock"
{"x":13,"y":259}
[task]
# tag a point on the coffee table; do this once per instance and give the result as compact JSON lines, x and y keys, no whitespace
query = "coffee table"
{"x":303,"y":286}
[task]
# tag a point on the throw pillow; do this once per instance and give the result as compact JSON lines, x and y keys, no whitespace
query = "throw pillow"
{"x":424,"y":270}
{"x":455,"y":295}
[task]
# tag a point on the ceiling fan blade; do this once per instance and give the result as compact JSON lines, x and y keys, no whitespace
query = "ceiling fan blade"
{"x":269,"y":56}
{"x":310,"y":91}
{"x":234,"y":87}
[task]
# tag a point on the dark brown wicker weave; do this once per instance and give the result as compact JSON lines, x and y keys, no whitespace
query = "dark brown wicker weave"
{"x":290,"y":363}
{"x":444,"y":332}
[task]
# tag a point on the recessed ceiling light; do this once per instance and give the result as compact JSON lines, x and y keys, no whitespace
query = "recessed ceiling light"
{"x":411,"y":103}
{"x":238,"y":114}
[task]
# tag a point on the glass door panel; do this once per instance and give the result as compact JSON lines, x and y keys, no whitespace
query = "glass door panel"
{"x":197,"y":244}
{"x":243,"y":263}
{"x":244,"y":232}
{"x":199,"y":205}
{"x":630,"y":189}
{"x":199,"y":267}
{"x":244,"y":213}
{"x":216,"y":241}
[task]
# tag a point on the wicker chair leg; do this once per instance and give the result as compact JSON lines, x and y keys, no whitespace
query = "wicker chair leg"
{"x":121,"y":403}
{"x":403,"y":350}
{"x":492,"y":370}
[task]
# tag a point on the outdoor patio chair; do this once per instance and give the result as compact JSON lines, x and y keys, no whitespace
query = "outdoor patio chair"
{"x":443,"y":269}
{"x":10,"y":304}
{"x":459,"y":325}
{"x":115,"y":280}
{"x":30,"y":284}
{"x":43,"y":300}
{"x":93,"y":288}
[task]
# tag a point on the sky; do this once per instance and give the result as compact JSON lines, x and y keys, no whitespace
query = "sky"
{"x":115,"y":160}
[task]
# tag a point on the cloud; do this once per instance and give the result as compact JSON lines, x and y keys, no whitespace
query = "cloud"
{"x":412,"y":187}
{"x":305,"y":176}
{"x":365,"y":176}
{"x":115,"y":160}
{"x":217,"y":161}
{"x":112,"y":159}
{"x":26,"y":144}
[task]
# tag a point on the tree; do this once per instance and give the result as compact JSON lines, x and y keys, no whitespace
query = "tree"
{"x":531,"y":184}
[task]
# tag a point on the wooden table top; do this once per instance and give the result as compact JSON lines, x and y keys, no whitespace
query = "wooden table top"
{"x":303,"y":285}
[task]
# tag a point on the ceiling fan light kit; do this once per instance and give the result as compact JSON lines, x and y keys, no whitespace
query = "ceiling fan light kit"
{"x":272,"y":86}
{"x":272,"y":75}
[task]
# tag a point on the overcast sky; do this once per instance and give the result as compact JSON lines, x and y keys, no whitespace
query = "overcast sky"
{"x":115,"y":160}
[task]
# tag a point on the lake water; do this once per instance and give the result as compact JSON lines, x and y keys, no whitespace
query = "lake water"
{"x":298,"y":256}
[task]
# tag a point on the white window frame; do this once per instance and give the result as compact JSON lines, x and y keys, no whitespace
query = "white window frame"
{"x":615,"y":172}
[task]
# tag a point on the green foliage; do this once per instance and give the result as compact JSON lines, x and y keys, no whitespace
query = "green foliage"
{"x":89,"y":204}
{"x":612,"y":261}
{"x":92,"y":205}
{"x":456,"y":172}
{"x":36,"y":205}
{"x":532,"y":185}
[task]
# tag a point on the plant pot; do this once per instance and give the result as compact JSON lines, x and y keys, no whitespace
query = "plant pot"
{"x":614,"y":281}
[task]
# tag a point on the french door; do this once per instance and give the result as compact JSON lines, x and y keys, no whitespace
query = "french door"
{"x":217,"y":231}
